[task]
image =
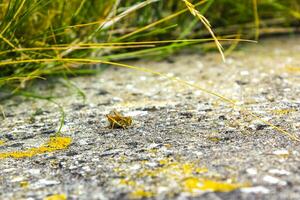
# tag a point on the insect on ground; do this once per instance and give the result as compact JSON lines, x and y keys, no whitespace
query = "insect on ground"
{"x":117,"y":120}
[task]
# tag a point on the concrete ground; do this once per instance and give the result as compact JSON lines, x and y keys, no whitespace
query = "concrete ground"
{"x":183,"y":143}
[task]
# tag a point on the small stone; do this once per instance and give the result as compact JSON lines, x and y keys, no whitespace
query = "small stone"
{"x":239,"y":82}
{"x":244,"y":73}
{"x":116,"y":99}
{"x":222,"y":117}
{"x":45,"y":182}
{"x":86,"y":168}
{"x":136,"y":113}
{"x":260,"y":126}
{"x":48,"y":131}
{"x":279,"y":172}
{"x":102,"y":92}
{"x":251,"y":171}
{"x":273,"y":180}
{"x":257,"y":189}
{"x":78,"y":106}
{"x":281,"y":152}
{"x":187,"y":114}
{"x":135,"y":167}
{"x":34,"y":171}
{"x":17,"y":179}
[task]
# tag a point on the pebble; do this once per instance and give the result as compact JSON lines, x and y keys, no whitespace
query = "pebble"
{"x":279,"y":172}
{"x":251,"y":171}
{"x":273,"y":180}
{"x":281,"y":152}
{"x":17,"y":179}
{"x":34,"y":171}
{"x":257,"y":189}
{"x":136,"y":113}
{"x":44,"y":182}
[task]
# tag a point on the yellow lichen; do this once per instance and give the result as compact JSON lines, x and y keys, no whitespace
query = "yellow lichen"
{"x":183,"y":168}
{"x":2,"y":142}
{"x":140,"y":193}
{"x":164,"y":161}
{"x":200,"y":170}
{"x":283,"y":111}
{"x":153,"y":151}
{"x":186,"y":176}
{"x":292,"y":69}
{"x":194,"y":184}
{"x":187,"y":168}
{"x":24,"y":184}
{"x":127,"y":182}
{"x":56,"y":197}
{"x":54,"y":144}
{"x":214,"y":139}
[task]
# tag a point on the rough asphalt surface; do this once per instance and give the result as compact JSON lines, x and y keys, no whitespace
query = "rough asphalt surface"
{"x":179,"y":136}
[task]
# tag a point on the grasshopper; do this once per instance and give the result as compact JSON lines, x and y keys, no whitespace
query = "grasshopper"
{"x":117,"y":120}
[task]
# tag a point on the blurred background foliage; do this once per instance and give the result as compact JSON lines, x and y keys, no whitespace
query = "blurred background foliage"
{"x":37,"y":30}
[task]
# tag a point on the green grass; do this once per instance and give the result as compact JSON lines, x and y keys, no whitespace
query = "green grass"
{"x":42,"y":38}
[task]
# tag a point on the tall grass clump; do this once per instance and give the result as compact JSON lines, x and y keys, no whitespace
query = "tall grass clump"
{"x":42,"y":38}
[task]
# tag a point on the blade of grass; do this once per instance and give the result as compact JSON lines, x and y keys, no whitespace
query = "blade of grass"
{"x":49,"y":99}
{"x":206,"y":23}
{"x":159,"y":21}
{"x":256,"y":19}
{"x":7,"y":41}
{"x":224,"y":38}
{"x":14,"y":17}
{"x":76,"y":47}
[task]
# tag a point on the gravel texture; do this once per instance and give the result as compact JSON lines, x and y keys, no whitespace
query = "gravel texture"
{"x":180,"y":138}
